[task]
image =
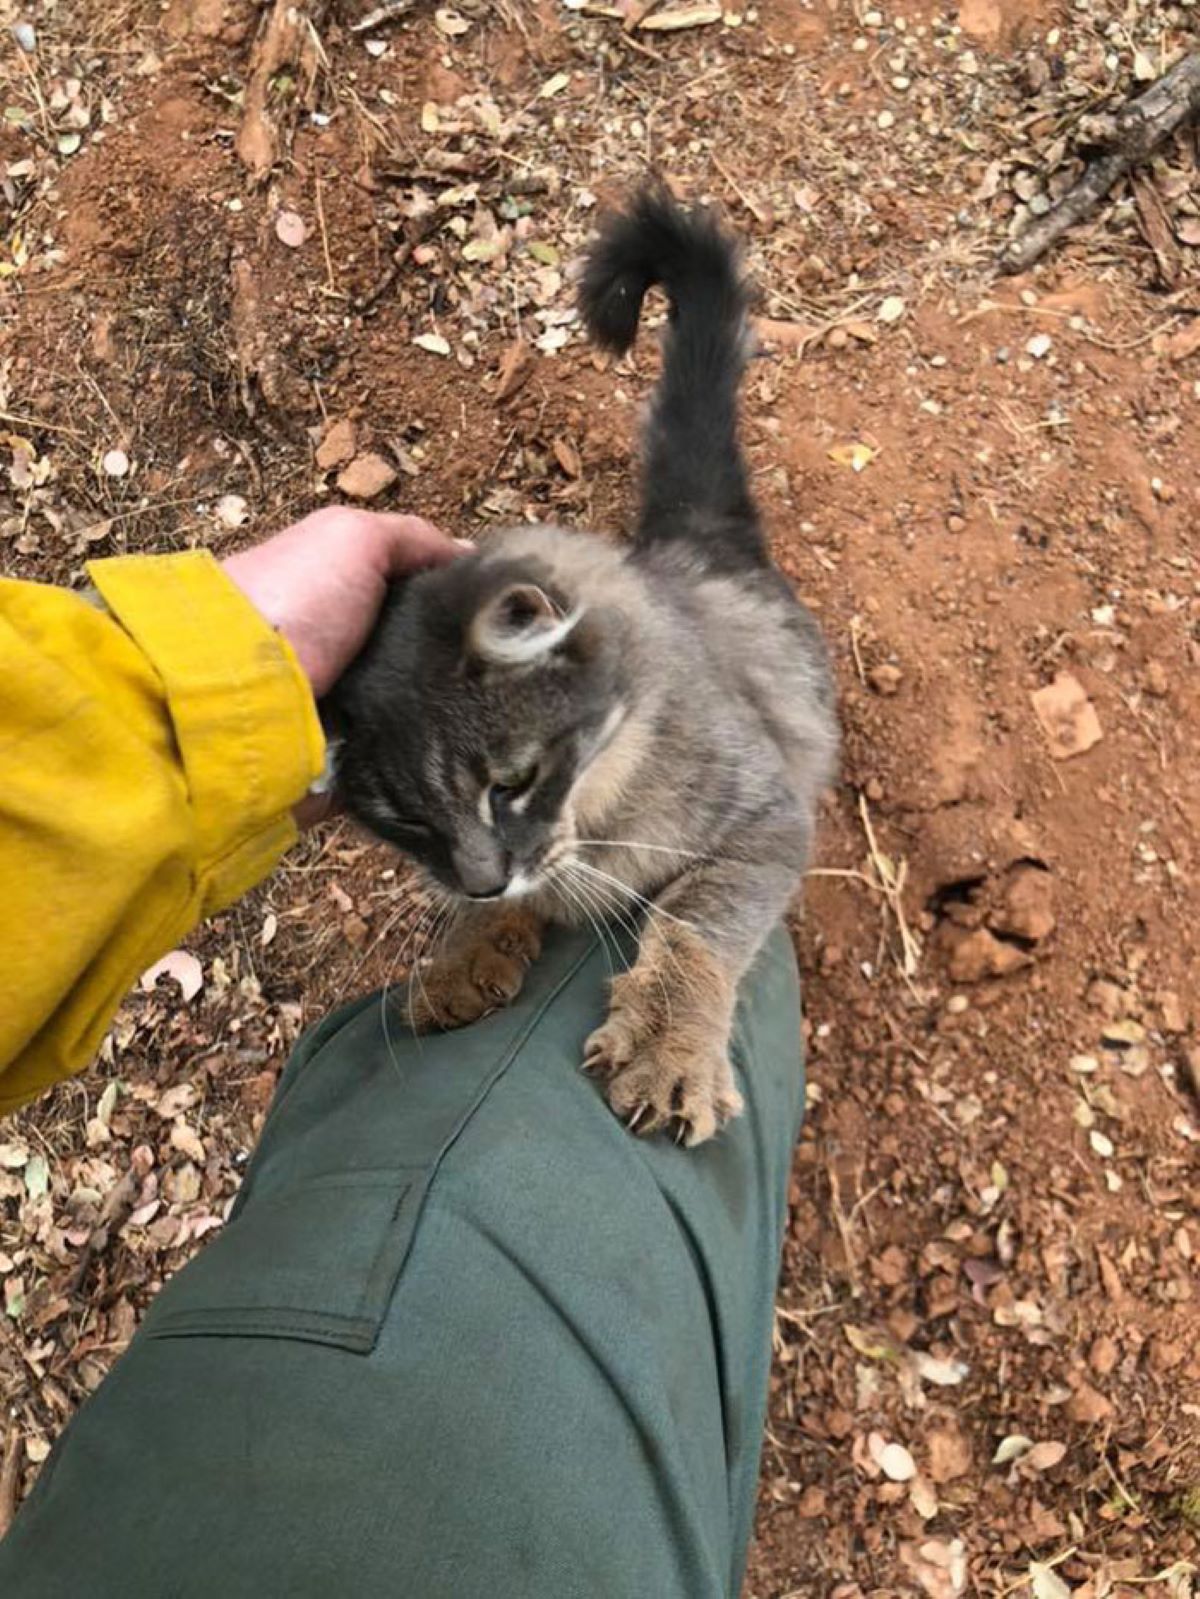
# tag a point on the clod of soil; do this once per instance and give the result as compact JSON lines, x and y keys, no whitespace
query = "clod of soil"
{"x":367,"y":477}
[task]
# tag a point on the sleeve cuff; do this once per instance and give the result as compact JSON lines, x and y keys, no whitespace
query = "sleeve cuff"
{"x":242,"y":710}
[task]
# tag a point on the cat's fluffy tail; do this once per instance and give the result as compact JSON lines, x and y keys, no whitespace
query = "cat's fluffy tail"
{"x":695,"y":483}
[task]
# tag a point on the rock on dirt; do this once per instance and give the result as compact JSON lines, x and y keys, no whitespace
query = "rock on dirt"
{"x":338,"y":445}
{"x":367,"y":476}
{"x":885,"y":679}
{"x":1068,"y":718}
{"x":977,"y":955}
{"x":1027,"y":908}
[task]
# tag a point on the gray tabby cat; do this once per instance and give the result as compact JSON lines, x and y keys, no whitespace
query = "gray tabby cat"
{"x":560,"y":725}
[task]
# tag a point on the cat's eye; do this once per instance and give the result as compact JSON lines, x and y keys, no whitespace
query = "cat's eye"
{"x":411,"y":829}
{"x":502,"y":795}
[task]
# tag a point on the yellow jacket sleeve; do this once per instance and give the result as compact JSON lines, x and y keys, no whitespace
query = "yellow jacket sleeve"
{"x":150,"y":754}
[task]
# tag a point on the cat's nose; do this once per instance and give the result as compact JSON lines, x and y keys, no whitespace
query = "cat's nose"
{"x":483,"y":876}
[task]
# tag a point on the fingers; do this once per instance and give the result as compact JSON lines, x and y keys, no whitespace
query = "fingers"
{"x":409,"y":542}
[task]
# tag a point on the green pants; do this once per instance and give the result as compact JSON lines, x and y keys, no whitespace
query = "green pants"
{"x":463,"y":1335}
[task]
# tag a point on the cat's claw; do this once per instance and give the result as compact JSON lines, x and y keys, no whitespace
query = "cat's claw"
{"x":657,"y":1082}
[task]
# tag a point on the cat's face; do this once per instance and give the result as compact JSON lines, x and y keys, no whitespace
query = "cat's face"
{"x":469,"y":726}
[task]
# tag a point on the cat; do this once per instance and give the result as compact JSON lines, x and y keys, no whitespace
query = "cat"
{"x":560,"y":727}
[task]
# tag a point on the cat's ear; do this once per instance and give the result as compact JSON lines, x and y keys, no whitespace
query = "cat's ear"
{"x":519,"y":625}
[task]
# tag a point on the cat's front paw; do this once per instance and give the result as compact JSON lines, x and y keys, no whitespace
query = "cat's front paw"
{"x":663,"y":1076}
{"x":478,"y":972}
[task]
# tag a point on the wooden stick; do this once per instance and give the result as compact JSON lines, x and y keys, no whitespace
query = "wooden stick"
{"x":1133,"y":134}
{"x":382,"y":15}
{"x":10,"y":1471}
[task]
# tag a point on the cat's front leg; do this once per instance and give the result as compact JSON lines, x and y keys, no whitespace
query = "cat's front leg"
{"x":664,"y":1047}
{"x":479,"y":968}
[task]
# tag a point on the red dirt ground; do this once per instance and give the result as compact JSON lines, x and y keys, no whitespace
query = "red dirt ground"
{"x":994,"y":1216}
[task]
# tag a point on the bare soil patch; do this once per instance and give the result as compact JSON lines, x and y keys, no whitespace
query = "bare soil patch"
{"x":988,"y":1370}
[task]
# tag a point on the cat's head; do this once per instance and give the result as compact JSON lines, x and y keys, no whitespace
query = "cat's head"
{"x":466,"y":730}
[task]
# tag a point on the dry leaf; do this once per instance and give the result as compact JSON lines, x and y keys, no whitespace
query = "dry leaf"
{"x":871,"y":1348}
{"x":290,"y":229}
{"x":184,"y":968}
{"x":700,"y":16}
{"x":567,"y":457}
{"x":232,"y":510}
{"x":185,"y":1140}
{"x":516,"y":364}
{"x":175,"y":1100}
{"x":1011,"y":1448}
{"x":893,"y":1460}
{"x":1125,"y":1032}
{"x":106,"y":1104}
{"x":923,"y":1498}
{"x":433,"y":342}
{"x":450,"y":23}
{"x":37,"y":1176}
{"x":942,"y":1373}
{"x":855,"y":456}
{"x":1067,"y":716}
{"x":1044,"y":1456}
{"x":1046,"y":1583}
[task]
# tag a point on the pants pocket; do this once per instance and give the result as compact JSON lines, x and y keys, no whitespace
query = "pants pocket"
{"x":317,"y":1262}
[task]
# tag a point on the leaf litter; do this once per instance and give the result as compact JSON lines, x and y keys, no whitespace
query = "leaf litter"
{"x":991,"y":484}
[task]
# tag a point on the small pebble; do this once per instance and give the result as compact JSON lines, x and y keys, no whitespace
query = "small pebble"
{"x":1155,"y":679}
{"x":1002,"y":355}
{"x":956,"y":524}
{"x":26,"y":37}
{"x":115,"y":463}
{"x":873,"y":19}
{"x":885,"y":120}
{"x":1039,"y":346}
{"x":957,"y":1003}
{"x":885,"y":679}
{"x":232,"y":510}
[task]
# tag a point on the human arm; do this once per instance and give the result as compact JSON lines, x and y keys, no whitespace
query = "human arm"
{"x":152,"y":749}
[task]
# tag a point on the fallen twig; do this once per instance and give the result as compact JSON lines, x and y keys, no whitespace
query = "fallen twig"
{"x":114,"y":1213}
{"x":10,"y":1470}
{"x":382,"y":15}
{"x":1126,"y":140}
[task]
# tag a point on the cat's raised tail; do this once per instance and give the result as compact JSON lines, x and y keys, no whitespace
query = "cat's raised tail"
{"x":695,"y":486}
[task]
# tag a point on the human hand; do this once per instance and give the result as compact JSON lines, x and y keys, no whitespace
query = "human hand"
{"x":322,"y":581}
